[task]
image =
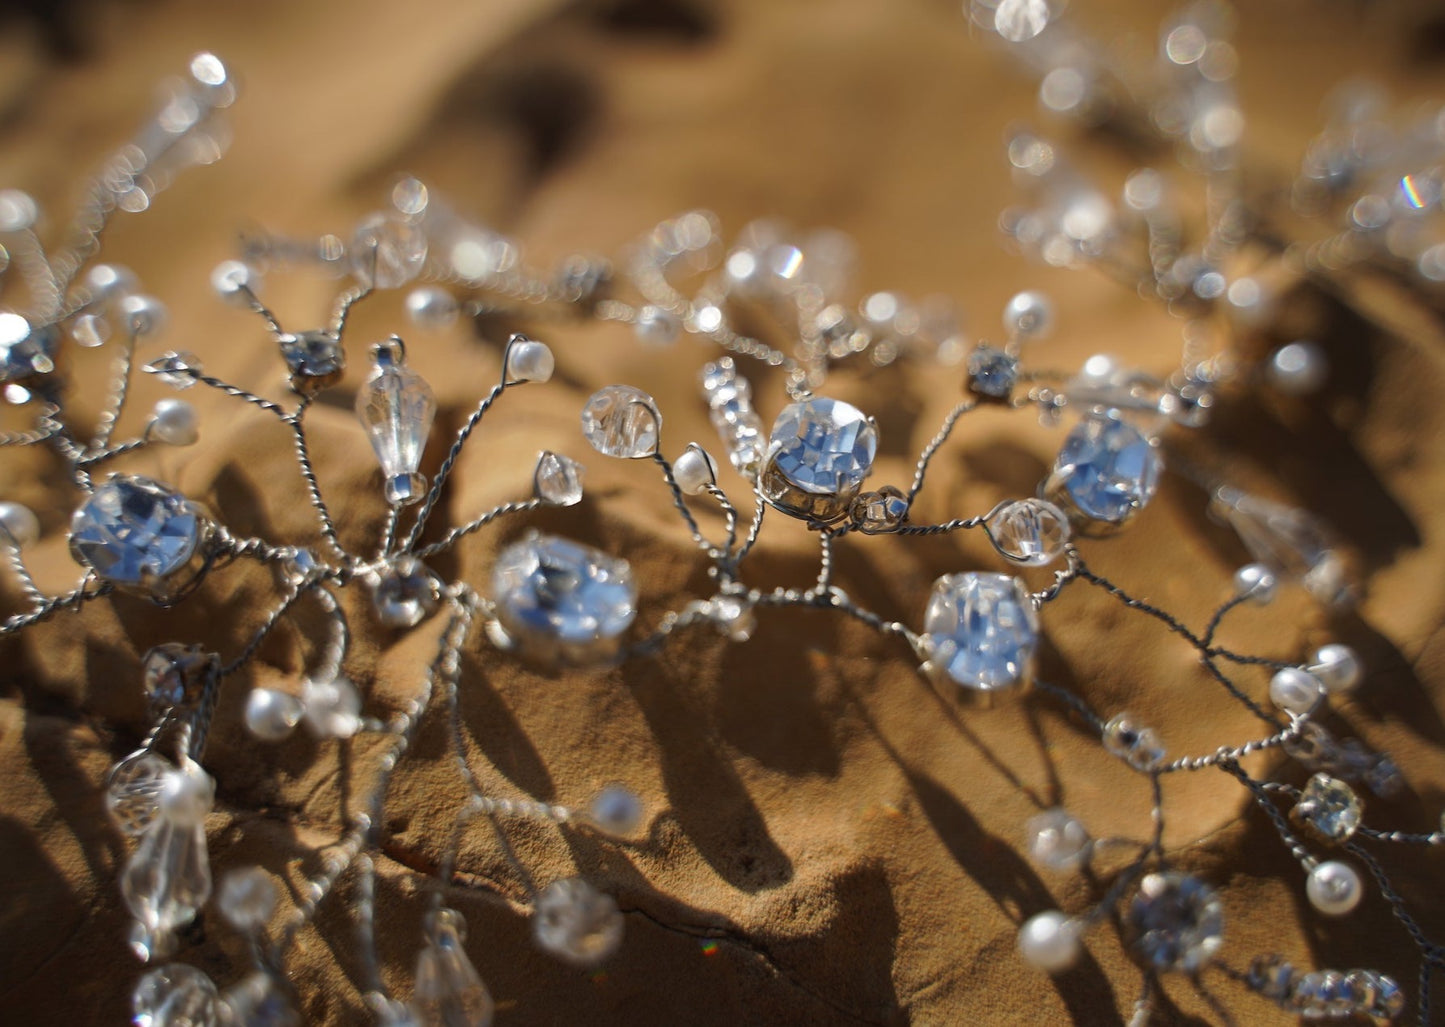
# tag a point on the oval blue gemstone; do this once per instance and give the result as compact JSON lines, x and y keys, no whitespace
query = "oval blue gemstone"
{"x":1108,"y":468}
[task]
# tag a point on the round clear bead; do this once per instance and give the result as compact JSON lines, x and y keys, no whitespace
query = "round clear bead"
{"x":1058,"y":839}
{"x":622,"y":421}
{"x":247,"y":898}
{"x":1328,"y":809}
{"x":405,"y":593}
{"x":132,"y":794}
{"x":387,"y":252}
{"x":575,"y":922}
{"x":174,"y":422}
{"x":616,"y":810}
{"x":186,"y":795}
{"x":90,"y":330}
{"x":145,"y":315}
{"x":1132,"y":742}
{"x":177,"y":995}
{"x":171,"y":369}
{"x":1033,"y":532}
{"x":981,"y":630}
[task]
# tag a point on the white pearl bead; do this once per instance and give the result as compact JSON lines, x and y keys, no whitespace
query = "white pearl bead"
{"x":694,"y":470}
{"x":145,"y":315}
{"x":1337,"y":666}
{"x":20,"y":522}
{"x":431,"y":307}
{"x":174,"y":422}
{"x":530,"y":361}
{"x":186,"y":795}
{"x":1298,"y":369}
{"x":1029,"y":315}
{"x":1295,"y":690}
{"x":271,"y":715}
{"x":230,"y":278}
{"x":1334,"y":888}
{"x":1049,"y":941}
{"x":1256,"y":581}
{"x":1099,"y":369}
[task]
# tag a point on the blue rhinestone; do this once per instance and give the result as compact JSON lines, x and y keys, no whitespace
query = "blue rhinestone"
{"x":1108,"y":468}
{"x":135,"y":532}
{"x":983,"y":630}
{"x":550,"y":588}
{"x":823,"y":446}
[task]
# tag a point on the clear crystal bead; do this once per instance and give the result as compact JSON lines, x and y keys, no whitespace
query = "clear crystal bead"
{"x":177,"y":995}
{"x":823,"y":446}
{"x":981,"y":630}
{"x":1058,"y":839}
{"x":1033,"y":532}
{"x":1271,"y":976}
{"x":576,"y":922}
{"x":132,"y":794}
{"x":558,"y":479}
{"x":176,"y":369}
{"x":175,"y":675}
{"x":261,"y":1000}
{"x":247,"y":898}
{"x":992,"y":373}
{"x":387,"y":252}
{"x":314,"y":359}
{"x":1289,"y":540}
{"x":168,"y":877}
{"x":90,"y":330}
{"x":1175,"y":922}
{"x":616,"y":810}
{"x":333,"y":707}
{"x":449,"y":991}
{"x":1106,"y":470}
{"x":1134,"y":743}
{"x":25,"y":351}
{"x":1328,"y":808}
{"x":135,"y":532}
{"x":622,"y":421}
{"x":396,"y":407}
{"x":405,"y":593}
{"x":734,"y":617}
{"x":879,"y":512}
{"x":553,"y":589}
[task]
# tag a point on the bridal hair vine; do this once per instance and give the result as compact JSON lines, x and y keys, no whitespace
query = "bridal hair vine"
{"x":769,"y":304}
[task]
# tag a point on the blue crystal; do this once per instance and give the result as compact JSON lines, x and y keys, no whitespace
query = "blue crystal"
{"x":552,"y":588}
{"x":823,"y":446}
{"x":135,"y":532}
{"x":983,"y":629}
{"x":1108,"y":468}
{"x":992,"y":372}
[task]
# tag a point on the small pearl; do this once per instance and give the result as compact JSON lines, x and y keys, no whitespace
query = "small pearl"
{"x":1256,"y":581}
{"x":146,"y":315}
{"x":18,"y":210}
{"x":1298,"y":369}
{"x":530,"y":361}
{"x":431,"y":307}
{"x":230,"y":278}
{"x":20,"y":523}
{"x":1029,"y":315}
{"x":694,"y":470}
{"x":656,"y":327}
{"x":1099,"y":369}
{"x":1295,"y":690}
{"x":271,"y":715}
{"x":1334,"y":888}
{"x":1049,"y":941}
{"x":174,"y":422}
{"x":1337,"y":667}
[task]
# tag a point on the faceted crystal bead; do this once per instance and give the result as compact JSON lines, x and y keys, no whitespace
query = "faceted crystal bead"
{"x":449,"y":991}
{"x":1175,"y":922}
{"x":1271,"y":976}
{"x":880,"y":512}
{"x":177,"y":995}
{"x":1033,"y":532}
{"x":576,"y":922}
{"x":387,"y":252}
{"x":622,"y":421}
{"x":333,"y":707}
{"x":1328,"y":809}
{"x":247,"y":898}
{"x":992,"y":373}
{"x":261,"y":1000}
{"x":132,"y":794}
{"x":396,"y":407}
{"x":1106,"y":470}
{"x":558,"y":479}
{"x":314,"y":359}
{"x":135,"y":532}
{"x":555,"y":593}
{"x":981,"y":630}
{"x":405,"y":593}
{"x":178,"y":369}
{"x":1133,"y":743}
{"x":25,"y":351}
{"x":819,"y":447}
{"x":1288,"y":540}
{"x":168,"y":877}
{"x":734,"y":617}
{"x":1058,"y":839}
{"x":174,"y":675}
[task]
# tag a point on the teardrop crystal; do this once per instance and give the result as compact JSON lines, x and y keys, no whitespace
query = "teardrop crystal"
{"x":1289,"y":540}
{"x":449,"y":991}
{"x":168,"y":877}
{"x":558,"y":479}
{"x":396,"y":407}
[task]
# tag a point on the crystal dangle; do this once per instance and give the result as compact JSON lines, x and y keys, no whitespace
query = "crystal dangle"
{"x":168,"y":877}
{"x":1288,"y":540}
{"x":396,"y":407}
{"x":449,"y":991}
